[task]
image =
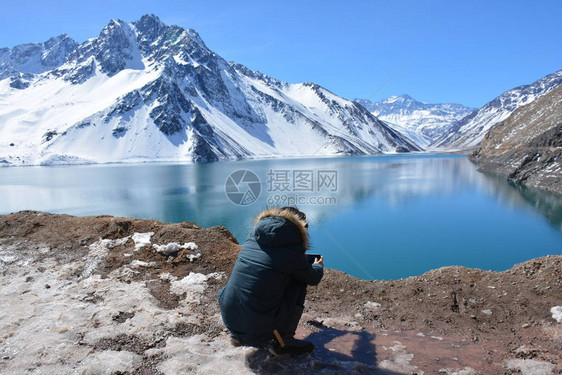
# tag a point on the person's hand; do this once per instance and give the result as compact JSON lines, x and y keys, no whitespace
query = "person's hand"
{"x":319,"y":261}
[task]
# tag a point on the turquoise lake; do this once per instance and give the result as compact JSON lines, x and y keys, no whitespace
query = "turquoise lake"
{"x":379,"y":217}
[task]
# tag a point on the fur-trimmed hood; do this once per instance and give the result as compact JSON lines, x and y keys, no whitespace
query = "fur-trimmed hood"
{"x":291,"y":217}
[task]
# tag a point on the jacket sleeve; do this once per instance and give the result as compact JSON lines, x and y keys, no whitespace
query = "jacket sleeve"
{"x":309,"y":274}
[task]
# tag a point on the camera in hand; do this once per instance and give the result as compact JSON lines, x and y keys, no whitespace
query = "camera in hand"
{"x":312,"y":257}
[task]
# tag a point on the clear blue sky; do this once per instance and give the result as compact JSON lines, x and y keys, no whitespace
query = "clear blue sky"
{"x":462,"y":51}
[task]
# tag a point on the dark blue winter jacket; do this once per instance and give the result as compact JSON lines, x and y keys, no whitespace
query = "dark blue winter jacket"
{"x":272,"y":256}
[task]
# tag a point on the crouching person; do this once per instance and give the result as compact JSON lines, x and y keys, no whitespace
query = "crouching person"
{"x":263,"y":300}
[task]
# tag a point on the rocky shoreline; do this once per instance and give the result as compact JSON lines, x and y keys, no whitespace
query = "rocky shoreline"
{"x":531,"y":163}
{"x":107,"y":295}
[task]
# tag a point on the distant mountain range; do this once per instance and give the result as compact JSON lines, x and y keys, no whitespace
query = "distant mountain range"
{"x":421,"y":121}
{"x":147,"y":91}
{"x":454,"y":126}
{"x":469,"y":131}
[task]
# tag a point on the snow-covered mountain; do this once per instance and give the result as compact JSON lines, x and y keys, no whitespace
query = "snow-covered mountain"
{"x":527,"y":146}
{"x":469,"y":131}
{"x":148,"y":91}
{"x":421,"y":121}
{"x":25,"y":60}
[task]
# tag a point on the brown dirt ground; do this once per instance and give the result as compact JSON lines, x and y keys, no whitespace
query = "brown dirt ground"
{"x":438,"y":316}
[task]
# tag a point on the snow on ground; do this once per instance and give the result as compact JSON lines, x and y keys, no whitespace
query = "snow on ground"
{"x":142,"y":239}
{"x":401,"y":363}
{"x":174,"y":247}
{"x":53,"y":322}
{"x":556,"y":312}
{"x":530,"y":366}
{"x":53,"y":104}
{"x":200,"y":355}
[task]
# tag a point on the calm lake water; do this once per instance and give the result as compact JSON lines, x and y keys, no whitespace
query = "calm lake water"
{"x":383,"y":217}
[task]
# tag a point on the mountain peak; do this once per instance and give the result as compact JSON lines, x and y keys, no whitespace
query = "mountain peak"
{"x":115,"y":26}
{"x":150,"y":18}
{"x":194,"y":35}
{"x":149,"y":23}
{"x":59,"y":37}
{"x":114,"y":23}
{"x":150,"y":27}
{"x":404,"y":98}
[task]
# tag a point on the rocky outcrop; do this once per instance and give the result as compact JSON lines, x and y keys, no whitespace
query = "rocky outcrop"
{"x":527,"y":146}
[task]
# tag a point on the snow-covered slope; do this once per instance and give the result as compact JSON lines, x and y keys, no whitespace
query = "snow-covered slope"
{"x":469,"y":131}
{"x":422,"y":121}
{"x":146,"y":91}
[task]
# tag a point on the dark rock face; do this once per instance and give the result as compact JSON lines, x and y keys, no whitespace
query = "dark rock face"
{"x":49,"y":135}
{"x":169,"y":116}
{"x":20,"y":81}
{"x":202,"y":150}
{"x":527,"y":146}
{"x":200,"y":124}
{"x":150,"y":27}
{"x":114,"y":50}
{"x":128,"y":103}
{"x":80,"y":74}
{"x":57,"y":50}
{"x":119,"y":131}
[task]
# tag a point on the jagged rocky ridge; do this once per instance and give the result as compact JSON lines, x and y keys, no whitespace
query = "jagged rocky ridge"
{"x":145,"y":91}
{"x":24,"y":61}
{"x":423,"y":122}
{"x":527,"y":146}
{"x":469,"y":131}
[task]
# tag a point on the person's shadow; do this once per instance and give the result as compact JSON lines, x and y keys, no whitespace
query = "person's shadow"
{"x":361,"y":360}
